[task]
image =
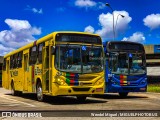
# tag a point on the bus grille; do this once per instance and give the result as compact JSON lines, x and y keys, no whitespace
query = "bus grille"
{"x":81,"y":89}
{"x":128,"y":88}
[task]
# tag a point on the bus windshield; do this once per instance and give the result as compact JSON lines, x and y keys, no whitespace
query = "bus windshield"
{"x":79,"y":59}
{"x":121,"y":63}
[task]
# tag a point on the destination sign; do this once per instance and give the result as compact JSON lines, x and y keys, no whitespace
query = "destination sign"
{"x":125,"y":46}
{"x":78,"y":38}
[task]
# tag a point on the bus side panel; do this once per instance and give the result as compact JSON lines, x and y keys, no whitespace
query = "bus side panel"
{"x":15,"y":78}
{"x":20,"y":79}
{"x":38,"y":75}
{"x":16,"y":75}
{"x":4,"y":74}
{"x":31,"y":75}
{"x":7,"y":74}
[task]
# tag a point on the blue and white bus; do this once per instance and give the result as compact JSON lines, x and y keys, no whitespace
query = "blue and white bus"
{"x":125,"y":67}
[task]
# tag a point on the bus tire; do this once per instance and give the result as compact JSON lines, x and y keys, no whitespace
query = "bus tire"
{"x":13,"y":91}
{"x":123,"y":94}
{"x":39,"y":92}
{"x":81,"y":98}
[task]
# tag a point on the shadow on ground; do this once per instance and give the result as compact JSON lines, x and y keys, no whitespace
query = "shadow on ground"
{"x":61,"y":100}
{"x":116,"y":96}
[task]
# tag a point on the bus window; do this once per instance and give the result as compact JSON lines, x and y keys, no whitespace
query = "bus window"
{"x":11,"y":62}
{"x":68,"y":59}
{"x":19,"y":64}
{"x":76,"y":59}
{"x":33,"y":55}
{"x":15,"y":60}
{"x":40,"y":47}
{"x":137,"y":66}
{"x":92,"y":59}
{"x":4,"y":65}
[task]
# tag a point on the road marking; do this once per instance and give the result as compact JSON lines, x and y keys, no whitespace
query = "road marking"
{"x":3,"y":96}
{"x":13,"y":104}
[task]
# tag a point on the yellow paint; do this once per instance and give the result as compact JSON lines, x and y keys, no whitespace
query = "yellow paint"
{"x":52,"y":83}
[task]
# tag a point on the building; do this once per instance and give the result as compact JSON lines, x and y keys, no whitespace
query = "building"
{"x":153,"y":59}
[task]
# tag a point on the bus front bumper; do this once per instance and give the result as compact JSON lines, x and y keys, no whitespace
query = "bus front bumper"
{"x":78,"y":90}
{"x":117,"y":88}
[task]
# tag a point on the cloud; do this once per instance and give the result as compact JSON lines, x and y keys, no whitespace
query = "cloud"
{"x":18,"y":24}
{"x":20,"y":33}
{"x":89,"y":4}
{"x":106,"y":23}
{"x":101,"y":5}
{"x":152,"y":21}
{"x":136,"y":37}
{"x":89,"y":29}
{"x":5,"y":50}
{"x":34,"y":10}
{"x":85,"y":3}
{"x":40,"y":11}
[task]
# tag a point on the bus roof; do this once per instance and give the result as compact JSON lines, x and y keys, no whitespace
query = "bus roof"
{"x":45,"y":38}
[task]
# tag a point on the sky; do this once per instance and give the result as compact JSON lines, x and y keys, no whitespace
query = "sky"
{"x":24,"y":21}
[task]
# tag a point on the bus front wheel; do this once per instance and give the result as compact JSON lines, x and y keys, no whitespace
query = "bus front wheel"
{"x":39,"y":92}
{"x":123,"y":94}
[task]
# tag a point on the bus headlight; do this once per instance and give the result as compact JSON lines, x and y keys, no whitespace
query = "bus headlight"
{"x":61,"y":82}
{"x":100,"y":81}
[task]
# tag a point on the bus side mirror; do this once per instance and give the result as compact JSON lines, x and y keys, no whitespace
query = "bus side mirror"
{"x":53,"y":50}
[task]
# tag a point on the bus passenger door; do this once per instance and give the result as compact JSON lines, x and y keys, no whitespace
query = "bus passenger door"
{"x":26,"y":72}
{"x":45,"y":67}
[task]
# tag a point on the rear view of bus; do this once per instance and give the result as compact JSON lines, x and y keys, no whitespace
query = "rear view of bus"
{"x":125,"y":67}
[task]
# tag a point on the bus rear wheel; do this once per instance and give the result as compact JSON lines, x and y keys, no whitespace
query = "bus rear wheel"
{"x":123,"y":94}
{"x":81,"y":98}
{"x":40,"y":96}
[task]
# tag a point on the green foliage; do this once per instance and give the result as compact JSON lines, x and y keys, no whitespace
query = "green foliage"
{"x":153,"y":88}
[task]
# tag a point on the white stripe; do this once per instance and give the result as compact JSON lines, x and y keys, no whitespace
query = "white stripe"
{"x":17,"y":101}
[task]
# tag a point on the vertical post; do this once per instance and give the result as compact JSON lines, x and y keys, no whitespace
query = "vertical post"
{"x":107,"y":4}
{"x":117,"y":20}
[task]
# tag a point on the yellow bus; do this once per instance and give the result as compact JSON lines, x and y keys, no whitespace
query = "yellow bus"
{"x":61,"y":63}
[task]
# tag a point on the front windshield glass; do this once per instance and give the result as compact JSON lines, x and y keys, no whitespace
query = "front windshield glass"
{"x":92,"y":59}
{"x":138,"y":64}
{"x":79,"y":59}
{"x":119,"y":63}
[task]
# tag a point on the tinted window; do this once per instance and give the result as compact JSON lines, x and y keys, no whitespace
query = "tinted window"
{"x":19,"y":60}
{"x":15,"y":59}
{"x":40,"y":48}
{"x":33,"y":55}
{"x":4,"y":65}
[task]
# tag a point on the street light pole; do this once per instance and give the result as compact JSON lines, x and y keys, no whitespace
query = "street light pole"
{"x":117,"y":20}
{"x":107,"y":4}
